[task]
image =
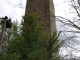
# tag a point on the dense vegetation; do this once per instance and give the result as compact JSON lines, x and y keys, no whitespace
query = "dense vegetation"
{"x":27,"y":41}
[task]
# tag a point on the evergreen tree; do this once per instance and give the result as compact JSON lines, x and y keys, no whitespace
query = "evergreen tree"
{"x":30,"y":42}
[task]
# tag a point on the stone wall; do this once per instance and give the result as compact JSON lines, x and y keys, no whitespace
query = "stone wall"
{"x":43,"y":8}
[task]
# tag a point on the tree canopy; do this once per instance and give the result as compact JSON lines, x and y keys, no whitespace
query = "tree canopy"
{"x":28,"y":41}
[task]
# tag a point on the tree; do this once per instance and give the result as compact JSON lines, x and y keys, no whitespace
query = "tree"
{"x":9,"y":35}
{"x":31,"y":43}
{"x":71,"y":26}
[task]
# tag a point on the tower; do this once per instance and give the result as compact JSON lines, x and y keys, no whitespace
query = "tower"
{"x":45,"y":9}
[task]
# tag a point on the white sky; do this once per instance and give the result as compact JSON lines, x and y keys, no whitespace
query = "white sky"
{"x":15,"y":11}
{"x":12,"y":9}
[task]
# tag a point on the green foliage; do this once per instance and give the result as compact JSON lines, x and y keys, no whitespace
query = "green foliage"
{"x":29,"y":42}
{"x":9,"y":35}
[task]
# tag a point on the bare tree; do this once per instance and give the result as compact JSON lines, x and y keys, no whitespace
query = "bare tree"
{"x":71,"y":29}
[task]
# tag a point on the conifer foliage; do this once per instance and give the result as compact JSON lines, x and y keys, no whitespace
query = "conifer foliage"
{"x":30,"y":42}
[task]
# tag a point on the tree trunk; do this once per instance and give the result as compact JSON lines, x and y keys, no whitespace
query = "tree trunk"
{"x":2,"y":33}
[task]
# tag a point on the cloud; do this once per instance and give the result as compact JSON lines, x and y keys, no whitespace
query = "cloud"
{"x":12,"y":9}
{"x":62,"y":8}
{"x":12,"y":2}
{"x":5,"y":9}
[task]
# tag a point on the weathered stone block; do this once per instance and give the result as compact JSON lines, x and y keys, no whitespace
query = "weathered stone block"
{"x":45,"y":9}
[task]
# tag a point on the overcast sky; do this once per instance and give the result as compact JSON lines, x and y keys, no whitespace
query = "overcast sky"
{"x":12,"y":8}
{"x":15,"y":9}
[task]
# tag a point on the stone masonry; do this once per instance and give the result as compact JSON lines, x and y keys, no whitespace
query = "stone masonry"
{"x":45,"y":9}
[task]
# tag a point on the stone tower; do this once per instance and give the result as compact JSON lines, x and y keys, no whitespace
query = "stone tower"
{"x":45,"y":9}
